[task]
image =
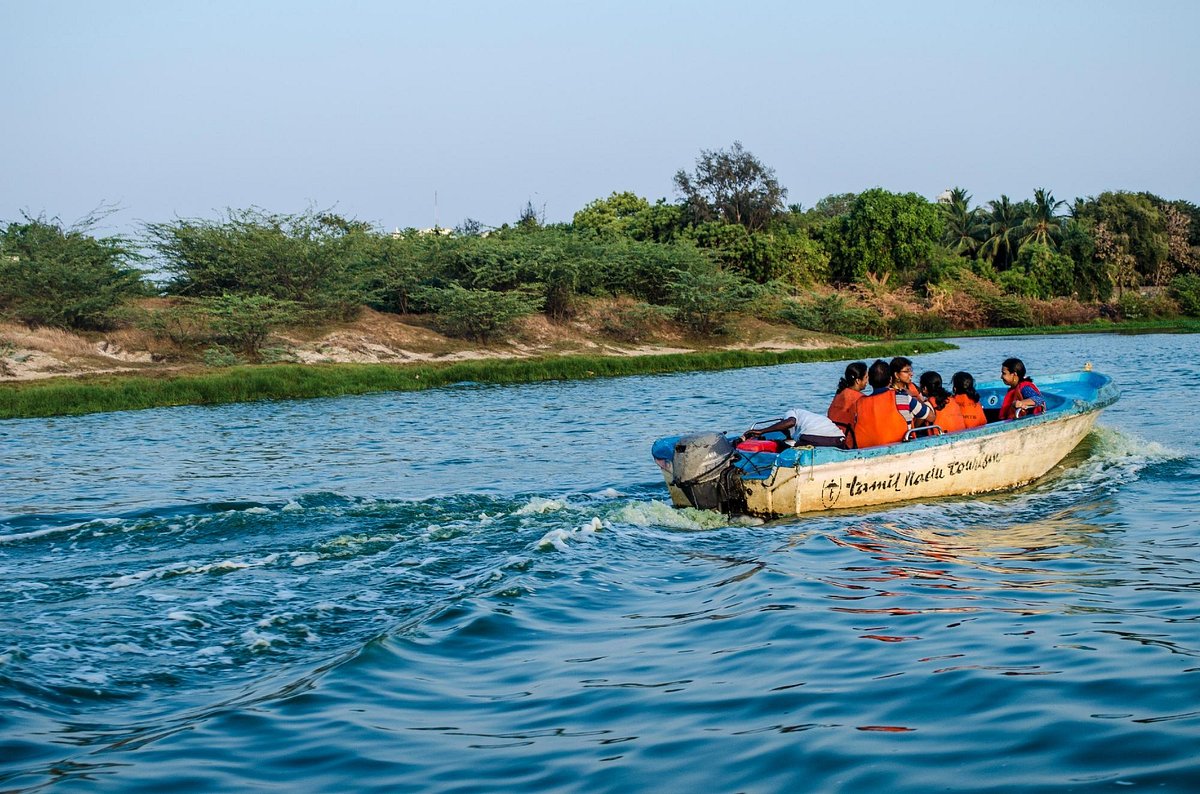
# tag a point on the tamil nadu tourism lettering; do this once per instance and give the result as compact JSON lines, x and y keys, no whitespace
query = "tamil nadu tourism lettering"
{"x":901,"y":480}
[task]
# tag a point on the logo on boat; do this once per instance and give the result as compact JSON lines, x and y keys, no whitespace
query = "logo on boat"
{"x":831,"y":492}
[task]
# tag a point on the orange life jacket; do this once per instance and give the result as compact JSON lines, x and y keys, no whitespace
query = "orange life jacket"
{"x":841,"y":410}
{"x":877,"y":421}
{"x":950,"y":417}
{"x":972,"y":412}
{"x":1009,"y":411}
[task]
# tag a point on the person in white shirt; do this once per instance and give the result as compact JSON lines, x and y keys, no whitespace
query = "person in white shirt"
{"x":805,"y":428}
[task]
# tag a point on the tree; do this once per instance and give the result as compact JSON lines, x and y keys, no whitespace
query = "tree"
{"x":965,"y":228}
{"x":1136,"y":225}
{"x":615,"y":214}
{"x":732,"y":186}
{"x":65,"y":277}
{"x":1004,"y":222}
{"x":882,"y":234}
{"x":1042,"y":224}
{"x":1181,"y":256}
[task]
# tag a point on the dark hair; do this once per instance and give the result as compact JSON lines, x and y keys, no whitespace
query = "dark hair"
{"x":899,"y":363}
{"x":880,"y":374}
{"x":931,"y":384}
{"x":1016,"y":366}
{"x":964,"y":383}
{"x":854,"y":372}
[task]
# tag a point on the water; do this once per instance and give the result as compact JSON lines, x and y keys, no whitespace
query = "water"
{"x":483,"y":588}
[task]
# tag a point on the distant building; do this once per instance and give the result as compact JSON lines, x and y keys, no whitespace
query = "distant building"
{"x":944,"y":197}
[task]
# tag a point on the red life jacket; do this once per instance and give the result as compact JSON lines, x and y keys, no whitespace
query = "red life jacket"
{"x":1008,"y":411}
{"x":841,"y":410}
{"x":972,"y":412}
{"x":877,"y":421}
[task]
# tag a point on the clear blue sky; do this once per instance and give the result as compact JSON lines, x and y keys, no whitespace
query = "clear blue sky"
{"x":170,"y":108}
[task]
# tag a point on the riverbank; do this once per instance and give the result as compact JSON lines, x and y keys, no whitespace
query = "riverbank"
{"x":122,"y":392}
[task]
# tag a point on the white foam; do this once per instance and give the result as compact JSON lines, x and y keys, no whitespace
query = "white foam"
{"x":176,"y":570}
{"x":538,"y":505}
{"x":259,"y":641}
{"x":305,"y":558}
{"x":559,"y":538}
{"x":256,"y":510}
{"x":661,"y":514}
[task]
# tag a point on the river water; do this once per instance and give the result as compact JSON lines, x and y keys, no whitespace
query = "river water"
{"x":483,"y":588}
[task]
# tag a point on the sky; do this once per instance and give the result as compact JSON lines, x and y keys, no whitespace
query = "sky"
{"x":411,"y":114}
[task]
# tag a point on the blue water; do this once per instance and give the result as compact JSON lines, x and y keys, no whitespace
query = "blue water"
{"x":483,"y":588}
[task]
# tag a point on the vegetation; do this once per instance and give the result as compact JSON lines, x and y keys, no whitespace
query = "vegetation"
{"x":64,"y":277}
{"x":70,"y":396}
{"x":874,"y":263}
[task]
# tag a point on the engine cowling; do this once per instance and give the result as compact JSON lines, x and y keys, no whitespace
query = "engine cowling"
{"x":700,"y":468}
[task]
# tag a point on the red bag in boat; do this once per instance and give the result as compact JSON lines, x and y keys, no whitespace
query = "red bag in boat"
{"x":758,"y":445}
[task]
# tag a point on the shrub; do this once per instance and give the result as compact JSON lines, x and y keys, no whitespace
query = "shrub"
{"x":50,"y":275}
{"x":704,"y":300}
{"x":244,"y":322}
{"x":1007,"y":311}
{"x":1063,"y":311}
{"x":310,"y":258}
{"x":632,"y":323}
{"x":1185,"y":289}
{"x":220,"y":356}
{"x":832,"y":314}
{"x":478,"y":314}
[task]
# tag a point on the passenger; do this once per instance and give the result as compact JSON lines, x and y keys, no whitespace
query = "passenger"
{"x":887,"y":415}
{"x":968,"y":400}
{"x":849,"y":391}
{"x":949,"y":417}
{"x":805,"y":428}
{"x":1022,"y":394}
{"x":902,"y":374}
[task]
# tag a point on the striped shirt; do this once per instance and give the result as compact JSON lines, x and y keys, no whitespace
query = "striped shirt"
{"x":912,"y":409}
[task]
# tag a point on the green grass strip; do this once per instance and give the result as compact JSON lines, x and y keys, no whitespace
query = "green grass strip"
{"x":124,"y":392}
{"x":1175,"y":325}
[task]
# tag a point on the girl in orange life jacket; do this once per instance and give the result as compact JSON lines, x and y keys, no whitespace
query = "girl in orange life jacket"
{"x":880,"y":418}
{"x":968,"y":400}
{"x":849,"y":391}
{"x":949,"y":417}
{"x":902,"y":372}
{"x":1022,"y":394}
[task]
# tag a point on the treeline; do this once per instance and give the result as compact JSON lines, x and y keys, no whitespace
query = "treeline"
{"x":874,"y":263}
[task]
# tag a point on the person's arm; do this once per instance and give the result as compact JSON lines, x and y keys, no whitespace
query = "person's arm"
{"x":783,"y":425}
{"x":921,"y":411}
{"x":1029,"y":399}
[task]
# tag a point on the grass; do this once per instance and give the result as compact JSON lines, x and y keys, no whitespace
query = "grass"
{"x":1174,"y":325}
{"x":93,"y":394}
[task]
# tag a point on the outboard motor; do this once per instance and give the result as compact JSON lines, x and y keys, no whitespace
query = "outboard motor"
{"x":700,"y":468}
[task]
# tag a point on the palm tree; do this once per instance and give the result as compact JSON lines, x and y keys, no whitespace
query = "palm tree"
{"x":1043,"y":224}
{"x":1004,"y":223}
{"x":966,"y":228}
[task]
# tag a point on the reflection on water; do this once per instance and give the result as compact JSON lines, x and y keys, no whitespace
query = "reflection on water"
{"x":225,"y":598}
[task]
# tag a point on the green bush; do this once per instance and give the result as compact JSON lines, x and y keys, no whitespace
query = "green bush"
{"x":704,"y":301}
{"x":1007,"y":311}
{"x":633,"y":324}
{"x":244,"y":322}
{"x":831,"y":314}
{"x":50,"y":275}
{"x":310,"y":258}
{"x":478,"y":314}
{"x":1185,"y":289}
